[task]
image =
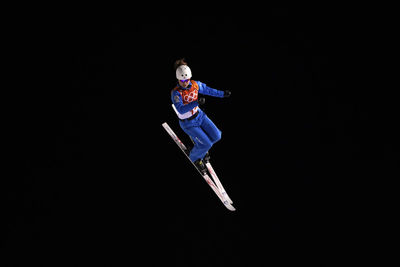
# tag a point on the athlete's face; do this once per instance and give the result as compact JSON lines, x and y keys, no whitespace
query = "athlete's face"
{"x":184,"y":83}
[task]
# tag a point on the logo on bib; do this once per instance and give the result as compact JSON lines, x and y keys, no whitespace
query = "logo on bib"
{"x":191,"y":96}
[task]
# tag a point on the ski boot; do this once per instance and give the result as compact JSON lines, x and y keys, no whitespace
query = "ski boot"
{"x":206,"y":158}
{"x":201,"y":166}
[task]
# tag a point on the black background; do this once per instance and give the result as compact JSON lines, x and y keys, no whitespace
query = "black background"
{"x":99,"y":181}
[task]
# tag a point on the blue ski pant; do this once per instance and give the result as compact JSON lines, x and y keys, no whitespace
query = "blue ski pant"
{"x":203,"y":132}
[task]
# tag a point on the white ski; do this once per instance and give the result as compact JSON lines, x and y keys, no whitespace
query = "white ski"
{"x":216,"y":179}
{"x":217,"y":189}
{"x":217,"y":182}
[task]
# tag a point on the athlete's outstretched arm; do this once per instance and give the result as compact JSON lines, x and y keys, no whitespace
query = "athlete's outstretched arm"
{"x":205,"y":90}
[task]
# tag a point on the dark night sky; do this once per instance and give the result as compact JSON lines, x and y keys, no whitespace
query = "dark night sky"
{"x":302,"y":134}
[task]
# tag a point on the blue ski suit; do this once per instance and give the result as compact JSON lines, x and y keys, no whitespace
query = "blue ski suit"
{"x":193,"y":120}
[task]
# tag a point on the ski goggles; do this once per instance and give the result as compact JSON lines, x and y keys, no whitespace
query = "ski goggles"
{"x":183,"y":81}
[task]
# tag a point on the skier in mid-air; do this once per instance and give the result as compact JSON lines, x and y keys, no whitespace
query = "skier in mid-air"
{"x":193,"y":121}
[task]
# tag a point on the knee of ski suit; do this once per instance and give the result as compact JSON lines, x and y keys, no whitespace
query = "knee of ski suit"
{"x":218,"y":137}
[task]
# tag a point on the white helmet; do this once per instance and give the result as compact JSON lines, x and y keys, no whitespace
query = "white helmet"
{"x":183,"y":72}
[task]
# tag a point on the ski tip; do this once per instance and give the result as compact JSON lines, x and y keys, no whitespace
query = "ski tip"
{"x":229,"y":206}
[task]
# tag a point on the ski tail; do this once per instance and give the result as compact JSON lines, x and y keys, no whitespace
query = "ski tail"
{"x":174,"y":136}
